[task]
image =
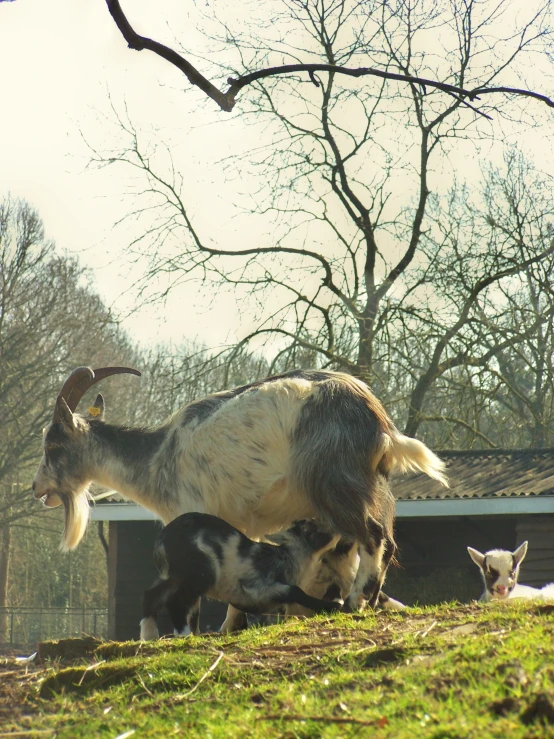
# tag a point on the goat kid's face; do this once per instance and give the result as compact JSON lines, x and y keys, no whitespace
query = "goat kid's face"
{"x":500,"y":569}
{"x":61,"y":477}
{"x":308,"y":543}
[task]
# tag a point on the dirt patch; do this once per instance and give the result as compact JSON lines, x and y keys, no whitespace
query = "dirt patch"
{"x":541,"y":710}
{"x":505,"y":707}
{"x":18,"y":690}
{"x":385,"y":656}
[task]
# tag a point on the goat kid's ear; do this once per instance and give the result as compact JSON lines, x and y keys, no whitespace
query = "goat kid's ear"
{"x":476,"y":556}
{"x":519,"y":554}
{"x":63,"y":415}
{"x":96,"y":411}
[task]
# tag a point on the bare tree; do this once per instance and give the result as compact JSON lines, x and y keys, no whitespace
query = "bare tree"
{"x":345,"y":181}
{"x":50,"y":320}
{"x":479,"y":355}
{"x":355,"y":10}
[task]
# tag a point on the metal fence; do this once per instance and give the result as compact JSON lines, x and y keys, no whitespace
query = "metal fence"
{"x":27,"y":626}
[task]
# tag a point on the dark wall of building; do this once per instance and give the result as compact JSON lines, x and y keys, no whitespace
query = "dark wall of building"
{"x":434,"y":564}
{"x":537,"y":568}
{"x":436,"y":567}
{"x":130,"y":572}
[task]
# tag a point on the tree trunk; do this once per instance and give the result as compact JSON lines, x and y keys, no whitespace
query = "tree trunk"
{"x":4,"y":568}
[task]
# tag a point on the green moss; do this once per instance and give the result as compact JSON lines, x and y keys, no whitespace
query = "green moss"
{"x":446,"y":671}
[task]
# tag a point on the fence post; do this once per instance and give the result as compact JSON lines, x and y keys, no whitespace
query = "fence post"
{"x":83,"y":623}
{"x":11,"y":628}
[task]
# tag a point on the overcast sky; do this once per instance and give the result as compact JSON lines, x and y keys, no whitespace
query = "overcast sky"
{"x":60,"y":61}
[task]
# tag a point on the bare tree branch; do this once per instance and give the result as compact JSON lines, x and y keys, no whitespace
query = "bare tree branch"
{"x":226,"y":100}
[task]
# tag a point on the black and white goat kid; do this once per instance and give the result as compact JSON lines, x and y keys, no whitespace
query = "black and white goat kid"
{"x":500,"y":571}
{"x":201,"y":555}
{"x":306,"y":444}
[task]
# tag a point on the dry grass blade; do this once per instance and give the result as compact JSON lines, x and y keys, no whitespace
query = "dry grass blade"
{"x":29,"y":732}
{"x":210,"y":669}
{"x":428,"y":629}
{"x":325,"y":719}
{"x":89,"y":668}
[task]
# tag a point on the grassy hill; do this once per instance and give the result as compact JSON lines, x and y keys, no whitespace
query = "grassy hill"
{"x":447,"y":672}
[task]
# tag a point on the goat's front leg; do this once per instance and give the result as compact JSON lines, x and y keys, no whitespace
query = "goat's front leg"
{"x":235,"y":620}
{"x":372,"y":569}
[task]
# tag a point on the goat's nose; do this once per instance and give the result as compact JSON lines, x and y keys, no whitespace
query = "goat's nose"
{"x":501,"y":589}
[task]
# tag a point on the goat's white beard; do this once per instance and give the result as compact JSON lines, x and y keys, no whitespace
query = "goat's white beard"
{"x":77,"y":512}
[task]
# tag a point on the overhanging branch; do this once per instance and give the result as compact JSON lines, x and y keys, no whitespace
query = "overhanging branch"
{"x":226,"y":100}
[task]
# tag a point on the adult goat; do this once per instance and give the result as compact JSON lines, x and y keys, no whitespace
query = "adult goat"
{"x":305,"y":444}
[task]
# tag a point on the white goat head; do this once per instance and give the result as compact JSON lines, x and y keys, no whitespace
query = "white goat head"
{"x":499,"y":569}
{"x":63,"y":475}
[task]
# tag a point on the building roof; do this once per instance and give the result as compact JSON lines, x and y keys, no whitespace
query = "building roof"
{"x":478,"y":474}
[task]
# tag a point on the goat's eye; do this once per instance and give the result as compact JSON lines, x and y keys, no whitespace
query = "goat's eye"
{"x":53,"y":452}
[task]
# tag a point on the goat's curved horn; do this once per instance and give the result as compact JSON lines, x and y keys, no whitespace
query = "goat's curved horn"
{"x":83,"y":378}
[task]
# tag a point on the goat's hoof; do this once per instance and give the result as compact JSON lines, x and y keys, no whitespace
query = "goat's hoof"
{"x":148,"y":629}
{"x":185,"y":632}
{"x":353,"y":605}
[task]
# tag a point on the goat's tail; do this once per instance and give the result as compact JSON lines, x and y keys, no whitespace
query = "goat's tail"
{"x":404,"y":454}
{"x":343,"y":447}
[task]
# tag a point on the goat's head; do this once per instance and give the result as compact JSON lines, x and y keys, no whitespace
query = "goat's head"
{"x":500,"y":569}
{"x":307,"y":543}
{"x":306,"y":536}
{"x":63,"y":475}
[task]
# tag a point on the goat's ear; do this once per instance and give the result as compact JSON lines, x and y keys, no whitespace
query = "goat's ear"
{"x":97,"y":410}
{"x":63,"y":415}
{"x":519,"y":554}
{"x":477,"y":557}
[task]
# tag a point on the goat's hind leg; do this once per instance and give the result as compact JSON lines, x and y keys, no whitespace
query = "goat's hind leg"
{"x":193,"y":617}
{"x":235,"y":620}
{"x":390,"y":604}
{"x":153,"y":600}
{"x":184,"y":611}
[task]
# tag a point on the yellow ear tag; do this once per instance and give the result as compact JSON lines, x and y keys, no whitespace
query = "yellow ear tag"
{"x":94,"y":411}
